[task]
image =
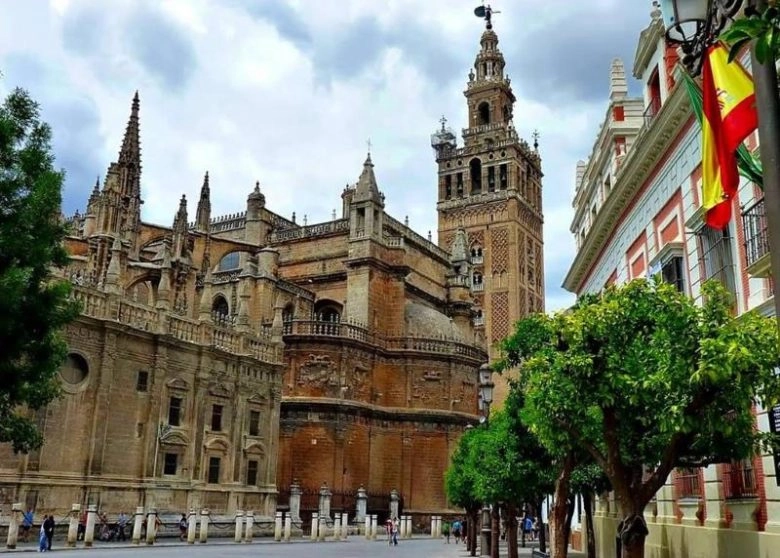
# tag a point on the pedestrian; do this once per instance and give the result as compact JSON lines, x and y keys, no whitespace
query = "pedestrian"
{"x":82,"y":527}
{"x":27,"y":523}
{"x":456,"y":531}
{"x":48,"y":527}
{"x":121,"y":524}
{"x":389,"y":531}
{"x":395,"y":531}
{"x":183,"y":524}
{"x":42,"y":539}
{"x":536,"y":529}
{"x":445,"y":529}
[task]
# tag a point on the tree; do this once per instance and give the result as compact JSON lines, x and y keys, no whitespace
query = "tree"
{"x":761,"y":26}
{"x":460,"y":479}
{"x":645,"y":380}
{"x":33,"y":306}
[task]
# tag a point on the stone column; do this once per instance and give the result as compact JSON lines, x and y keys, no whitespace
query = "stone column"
{"x":204,"y":526}
{"x":408,"y":526}
{"x":394,"y":503}
{"x":402,"y":527}
{"x":192,"y":526}
{"x":374,"y":522}
{"x":337,"y":527}
{"x":278,"y":526}
{"x":325,"y":495}
{"x":250,"y":525}
{"x":13,"y":525}
{"x":151,"y":526}
{"x":287,"y":527}
{"x":138,"y":522}
{"x":73,"y":526}
{"x":362,"y":503}
{"x":433,"y":526}
{"x":89,"y":529}
{"x":239,"y":526}
{"x":345,"y":526}
{"x":315,"y":524}
{"x":295,"y":501}
{"x":367,"y":526}
{"x":323,"y":528}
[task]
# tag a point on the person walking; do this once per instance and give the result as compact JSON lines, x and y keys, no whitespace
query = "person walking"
{"x":395,"y":531}
{"x":445,"y":529}
{"x":27,"y":523}
{"x":121,"y":525}
{"x":48,"y":527}
{"x":42,"y":539}
{"x":456,"y":531}
{"x":183,"y":524}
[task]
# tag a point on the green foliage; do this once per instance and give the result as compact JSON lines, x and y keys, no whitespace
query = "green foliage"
{"x":761,"y":27}
{"x":641,"y":377}
{"x":33,"y":307}
{"x":460,"y":477}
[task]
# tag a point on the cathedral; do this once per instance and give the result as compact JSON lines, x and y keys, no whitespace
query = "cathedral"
{"x":224,"y":359}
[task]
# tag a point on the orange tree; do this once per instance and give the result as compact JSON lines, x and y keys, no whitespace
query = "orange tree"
{"x":642,"y":378}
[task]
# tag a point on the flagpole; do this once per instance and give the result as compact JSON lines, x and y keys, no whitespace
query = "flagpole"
{"x":768,"y":108}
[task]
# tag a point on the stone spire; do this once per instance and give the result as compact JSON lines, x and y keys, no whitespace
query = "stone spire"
{"x":618,"y":86}
{"x":203,"y":214}
{"x":130,"y":151}
{"x":93,"y":197}
{"x":367,"y":189}
{"x":180,"y":229}
{"x":129,"y":175}
{"x":114,"y":270}
{"x":459,"y":249}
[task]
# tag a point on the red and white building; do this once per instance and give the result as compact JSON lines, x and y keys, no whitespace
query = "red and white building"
{"x":637,"y":214}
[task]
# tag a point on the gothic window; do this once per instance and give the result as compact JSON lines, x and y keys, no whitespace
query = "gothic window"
{"x":477,"y":279}
{"x":230,"y":261}
{"x":448,"y":187}
{"x":476,"y":254}
{"x":475,"y":174}
{"x":502,"y":176}
{"x":460,"y":185}
{"x":220,"y":306}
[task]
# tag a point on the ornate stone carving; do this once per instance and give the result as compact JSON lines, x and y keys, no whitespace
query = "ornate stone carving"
{"x":318,"y":371}
{"x":177,"y":384}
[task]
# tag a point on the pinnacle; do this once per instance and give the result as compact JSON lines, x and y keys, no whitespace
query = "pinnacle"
{"x":204,"y":190}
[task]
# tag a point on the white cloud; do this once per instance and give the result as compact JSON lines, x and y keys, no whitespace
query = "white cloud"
{"x":288,"y":93}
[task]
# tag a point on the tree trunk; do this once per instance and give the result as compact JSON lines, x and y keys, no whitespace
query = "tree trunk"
{"x":560,"y":542}
{"x":587,"y":503}
{"x":633,"y":532}
{"x":542,"y":530}
{"x":495,"y":530}
{"x":511,"y":530}
{"x":569,"y":517}
{"x":471,"y":538}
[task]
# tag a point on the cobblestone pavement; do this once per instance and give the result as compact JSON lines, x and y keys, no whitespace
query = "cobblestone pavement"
{"x":356,"y":547}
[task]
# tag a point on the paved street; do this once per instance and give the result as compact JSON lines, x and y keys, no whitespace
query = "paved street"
{"x":355,"y":548}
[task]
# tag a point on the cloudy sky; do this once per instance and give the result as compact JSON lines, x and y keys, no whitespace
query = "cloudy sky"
{"x":288,"y":91}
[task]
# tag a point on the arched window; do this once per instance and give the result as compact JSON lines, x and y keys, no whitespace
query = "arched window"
{"x":220,"y":306}
{"x":484,"y":113}
{"x":477,"y":279}
{"x":230,"y":261}
{"x":288,"y":313}
{"x":327,"y":311}
{"x":476,"y":254}
{"x":475,"y":170}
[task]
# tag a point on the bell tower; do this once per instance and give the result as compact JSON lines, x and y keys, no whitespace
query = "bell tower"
{"x":492,"y":188}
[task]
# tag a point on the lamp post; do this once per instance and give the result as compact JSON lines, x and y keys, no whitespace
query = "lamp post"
{"x":695,"y":25}
{"x":486,"y":386}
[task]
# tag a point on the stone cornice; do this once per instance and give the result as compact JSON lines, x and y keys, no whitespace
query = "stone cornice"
{"x":648,"y":151}
{"x":648,"y":41}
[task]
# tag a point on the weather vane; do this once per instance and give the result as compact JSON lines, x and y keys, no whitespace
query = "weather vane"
{"x":486,"y":12}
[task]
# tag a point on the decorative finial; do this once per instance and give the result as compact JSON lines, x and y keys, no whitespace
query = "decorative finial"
{"x":257,"y":186}
{"x":536,"y":140}
{"x":443,"y":123}
{"x":486,"y":13}
{"x":293,"y":217}
{"x":333,"y":215}
{"x":368,"y":145}
{"x":305,"y":219}
{"x":406,"y":221}
{"x":429,"y":236}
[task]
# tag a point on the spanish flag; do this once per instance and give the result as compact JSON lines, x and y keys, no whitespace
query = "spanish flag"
{"x":729,"y":117}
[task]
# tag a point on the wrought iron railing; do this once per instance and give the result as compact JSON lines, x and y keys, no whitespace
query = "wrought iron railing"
{"x":652,"y":109}
{"x":742,"y":481}
{"x":755,"y":232}
{"x":688,"y":485}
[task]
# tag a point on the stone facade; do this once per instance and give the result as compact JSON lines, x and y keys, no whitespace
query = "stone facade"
{"x":220,"y":360}
{"x":491,"y":187}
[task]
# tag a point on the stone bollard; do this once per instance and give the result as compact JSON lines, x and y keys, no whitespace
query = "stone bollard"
{"x":408,"y":526}
{"x":151,"y":526}
{"x":402,"y":527}
{"x":287,"y":526}
{"x":137,"y":525}
{"x":368,"y":527}
{"x":278,"y":526}
{"x":433,"y":526}
{"x":437,"y":531}
{"x":337,"y":526}
{"x":204,"y":526}
{"x":192,"y":526}
{"x":345,"y":526}
{"x":323,"y":529}
{"x":73,"y":525}
{"x":89,"y":529}
{"x":250,"y":525}
{"x":374,"y":525}
{"x":239,"y":526}
{"x":13,"y":525}
{"x":315,"y":525}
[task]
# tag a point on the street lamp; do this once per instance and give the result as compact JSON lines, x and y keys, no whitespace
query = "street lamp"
{"x":486,"y":386}
{"x":695,"y":25}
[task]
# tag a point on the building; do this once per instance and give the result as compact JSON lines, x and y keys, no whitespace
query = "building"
{"x":491,"y":187}
{"x":638,"y":214}
{"x":221,"y":360}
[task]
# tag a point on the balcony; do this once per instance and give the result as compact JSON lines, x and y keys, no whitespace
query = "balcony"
{"x":652,"y":110}
{"x":756,"y":239}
